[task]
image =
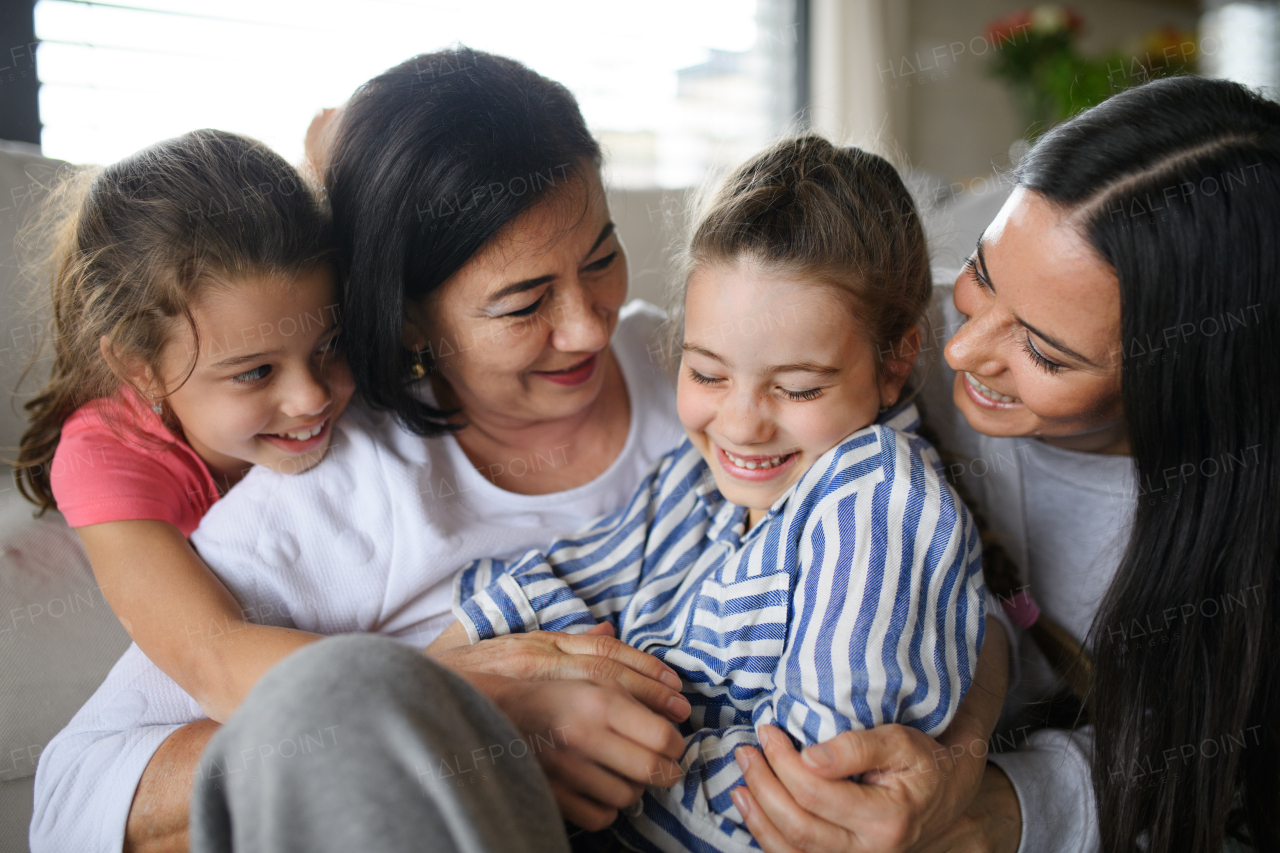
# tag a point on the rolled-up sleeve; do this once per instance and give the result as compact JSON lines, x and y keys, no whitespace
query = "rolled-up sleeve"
{"x":1051,"y":776}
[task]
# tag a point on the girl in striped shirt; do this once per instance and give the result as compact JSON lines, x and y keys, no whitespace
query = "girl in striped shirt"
{"x":799,"y":560}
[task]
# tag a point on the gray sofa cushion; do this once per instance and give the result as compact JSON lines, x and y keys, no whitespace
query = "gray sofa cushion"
{"x":58,"y":640}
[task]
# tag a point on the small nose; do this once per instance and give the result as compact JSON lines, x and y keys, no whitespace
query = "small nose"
{"x":577,"y":323}
{"x":305,"y":394}
{"x":745,"y":419}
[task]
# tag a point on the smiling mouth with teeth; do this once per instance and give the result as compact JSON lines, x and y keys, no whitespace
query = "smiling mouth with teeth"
{"x":994,"y":396}
{"x":754,"y":464}
{"x":303,"y":435}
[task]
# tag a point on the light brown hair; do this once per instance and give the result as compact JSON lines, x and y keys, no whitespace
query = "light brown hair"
{"x":125,"y":250}
{"x":840,"y":216}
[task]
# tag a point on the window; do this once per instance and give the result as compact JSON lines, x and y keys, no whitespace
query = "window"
{"x":1241,"y":42}
{"x":671,"y":88}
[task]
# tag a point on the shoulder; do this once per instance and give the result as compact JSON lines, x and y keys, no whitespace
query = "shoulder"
{"x":888,"y":457}
{"x":637,"y":341}
{"x":937,"y":379}
{"x":642,"y":318}
{"x":115,"y":463}
{"x":640,"y":348}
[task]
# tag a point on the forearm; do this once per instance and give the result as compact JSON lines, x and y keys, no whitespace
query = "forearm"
{"x":225,"y":667}
{"x":181,"y":615}
{"x":967,"y":736}
{"x":158,"y":817}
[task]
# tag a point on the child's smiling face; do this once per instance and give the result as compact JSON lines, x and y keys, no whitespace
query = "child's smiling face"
{"x":269,"y":380}
{"x":775,"y":371}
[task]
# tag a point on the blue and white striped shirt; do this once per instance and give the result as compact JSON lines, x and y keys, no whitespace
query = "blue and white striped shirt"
{"x":856,"y":601}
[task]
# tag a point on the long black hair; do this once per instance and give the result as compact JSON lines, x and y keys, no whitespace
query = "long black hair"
{"x":429,"y":161}
{"x":1176,"y":184}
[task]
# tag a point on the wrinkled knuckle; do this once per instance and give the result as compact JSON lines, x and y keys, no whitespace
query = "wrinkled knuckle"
{"x":597,"y":669}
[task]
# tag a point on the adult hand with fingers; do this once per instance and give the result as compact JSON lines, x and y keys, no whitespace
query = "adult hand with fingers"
{"x":595,"y":655}
{"x":914,"y":793}
{"x":606,"y":746}
{"x":804,"y":801}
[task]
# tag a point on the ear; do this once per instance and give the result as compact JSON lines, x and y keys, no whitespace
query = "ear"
{"x":897,"y":365}
{"x":130,"y":370}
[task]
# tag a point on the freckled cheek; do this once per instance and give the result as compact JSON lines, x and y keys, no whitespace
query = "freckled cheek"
{"x":613,"y":292}
{"x":818,"y":428}
{"x":496,"y":355}
{"x":1081,"y":405}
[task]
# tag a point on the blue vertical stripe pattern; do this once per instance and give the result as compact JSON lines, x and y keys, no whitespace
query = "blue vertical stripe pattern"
{"x":856,"y":601}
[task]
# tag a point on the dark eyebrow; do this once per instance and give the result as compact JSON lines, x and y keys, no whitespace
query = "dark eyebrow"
{"x":531,"y":283}
{"x":520,"y":287}
{"x":1058,"y":345}
{"x":236,"y":361}
{"x":1052,"y":341}
{"x":604,"y":235}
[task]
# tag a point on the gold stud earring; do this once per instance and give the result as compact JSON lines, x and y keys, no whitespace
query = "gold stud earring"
{"x":417,"y":370}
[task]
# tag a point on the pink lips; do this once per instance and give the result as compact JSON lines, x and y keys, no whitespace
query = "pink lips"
{"x":575,"y":375}
{"x":755,"y":475}
{"x":295,"y":448}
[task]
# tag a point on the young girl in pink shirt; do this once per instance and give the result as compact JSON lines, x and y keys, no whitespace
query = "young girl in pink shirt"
{"x":195,"y":335}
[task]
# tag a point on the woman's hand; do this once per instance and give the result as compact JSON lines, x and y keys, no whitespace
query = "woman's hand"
{"x":913,"y":789}
{"x":991,"y":824}
{"x":598,"y":746}
{"x":595,"y":655}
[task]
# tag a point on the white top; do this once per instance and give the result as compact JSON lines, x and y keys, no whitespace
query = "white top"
{"x":1064,"y":518}
{"x":367,"y":541}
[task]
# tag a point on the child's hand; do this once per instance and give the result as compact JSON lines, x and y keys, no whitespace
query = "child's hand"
{"x":598,"y":746}
{"x":595,"y":655}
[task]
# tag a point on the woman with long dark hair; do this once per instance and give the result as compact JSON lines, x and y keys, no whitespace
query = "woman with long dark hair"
{"x":1115,"y":362}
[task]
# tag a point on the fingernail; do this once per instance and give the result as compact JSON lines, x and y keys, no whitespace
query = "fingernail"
{"x":670,"y":679}
{"x":819,"y":756}
{"x":744,"y":759}
{"x":762,"y":734}
{"x":679,"y":706}
{"x":739,"y":800}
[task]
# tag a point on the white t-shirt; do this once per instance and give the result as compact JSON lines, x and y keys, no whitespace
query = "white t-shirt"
{"x":367,"y":541}
{"x":1064,"y":517}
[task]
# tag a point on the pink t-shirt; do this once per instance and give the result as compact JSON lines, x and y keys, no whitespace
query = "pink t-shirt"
{"x":138,"y":470}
